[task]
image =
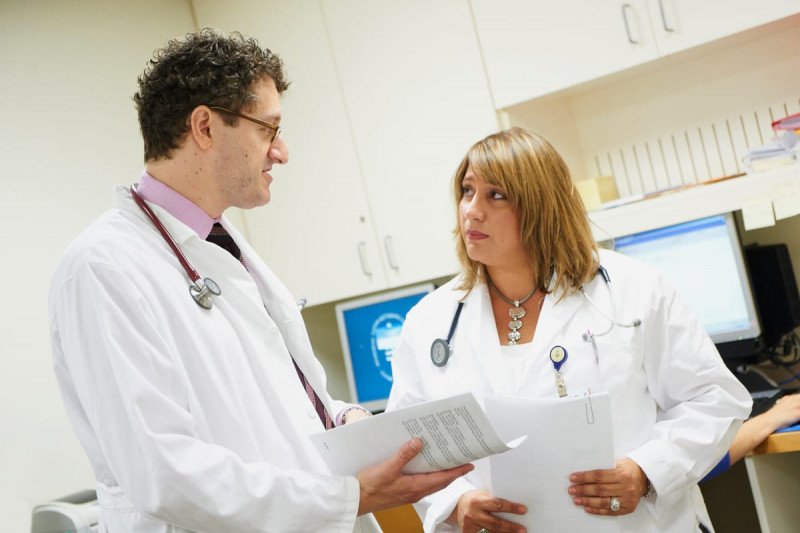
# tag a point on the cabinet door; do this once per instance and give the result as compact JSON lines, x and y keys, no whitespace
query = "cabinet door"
{"x":317,"y":227}
{"x":417,"y":97}
{"x":681,"y":24}
{"x":535,"y":47}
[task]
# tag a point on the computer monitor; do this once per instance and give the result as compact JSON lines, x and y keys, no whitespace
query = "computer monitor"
{"x":704,"y":260}
{"x":369,"y":329}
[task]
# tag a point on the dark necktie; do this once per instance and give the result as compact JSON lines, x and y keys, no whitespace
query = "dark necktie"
{"x":222,"y":238}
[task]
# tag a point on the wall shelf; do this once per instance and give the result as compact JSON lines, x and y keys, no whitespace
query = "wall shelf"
{"x":692,"y":203}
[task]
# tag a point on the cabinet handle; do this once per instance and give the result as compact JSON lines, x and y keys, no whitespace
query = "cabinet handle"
{"x":664,"y":17}
{"x":387,"y":243}
{"x":362,"y":256}
{"x":625,"y":8}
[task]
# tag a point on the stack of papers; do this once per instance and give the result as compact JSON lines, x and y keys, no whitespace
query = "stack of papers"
{"x":777,"y":153}
{"x":566,"y":435}
{"x":780,"y":151}
{"x":545,"y":440}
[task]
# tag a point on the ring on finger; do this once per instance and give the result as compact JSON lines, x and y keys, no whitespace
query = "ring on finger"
{"x":615,"y":505}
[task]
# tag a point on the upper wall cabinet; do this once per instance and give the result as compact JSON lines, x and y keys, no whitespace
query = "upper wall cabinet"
{"x":681,"y":24}
{"x":316,"y":233}
{"x":535,"y":47}
{"x":386,"y":98}
{"x":417,"y":98}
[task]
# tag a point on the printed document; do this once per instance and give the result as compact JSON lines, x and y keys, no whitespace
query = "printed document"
{"x":454,"y":430}
{"x":565,"y":435}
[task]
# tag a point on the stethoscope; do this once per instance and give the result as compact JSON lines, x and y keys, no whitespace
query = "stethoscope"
{"x":202,"y":288}
{"x":441,"y":349}
{"x":589,"y":336}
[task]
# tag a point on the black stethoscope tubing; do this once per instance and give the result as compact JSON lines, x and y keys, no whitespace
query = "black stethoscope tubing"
{"x":202,"y":288}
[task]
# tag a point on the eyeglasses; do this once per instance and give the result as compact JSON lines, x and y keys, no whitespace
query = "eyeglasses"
{"x":275,"y":129}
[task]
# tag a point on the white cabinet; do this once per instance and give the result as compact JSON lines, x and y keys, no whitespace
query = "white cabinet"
{"x":417,"y":98}
{"x":316,"y":234}
{"x":386,"y":98}
{"x":535,"y":47}
{"x":681,"y":24}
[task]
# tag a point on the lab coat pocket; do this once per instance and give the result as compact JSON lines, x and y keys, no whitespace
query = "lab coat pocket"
{"x":618,"y":358}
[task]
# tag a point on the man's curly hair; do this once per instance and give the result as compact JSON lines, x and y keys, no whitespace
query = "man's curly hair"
{"x":203,"y":68}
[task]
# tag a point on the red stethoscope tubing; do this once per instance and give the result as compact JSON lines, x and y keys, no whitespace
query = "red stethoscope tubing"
{"x":190,"y":271}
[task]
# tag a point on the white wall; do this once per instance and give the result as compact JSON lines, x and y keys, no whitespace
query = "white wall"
{"x":68,"y":71}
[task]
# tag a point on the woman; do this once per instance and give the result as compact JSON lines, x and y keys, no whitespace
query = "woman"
{"x":531,"y":282}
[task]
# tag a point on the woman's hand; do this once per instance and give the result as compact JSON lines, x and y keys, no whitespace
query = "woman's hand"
{"x":595,"y":489}
{"x":475,"y":509}
{"x":785,"y":412}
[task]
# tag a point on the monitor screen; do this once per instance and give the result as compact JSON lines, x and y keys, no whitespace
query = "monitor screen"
{"x":704,"y":260}
{"x":369,"y":329}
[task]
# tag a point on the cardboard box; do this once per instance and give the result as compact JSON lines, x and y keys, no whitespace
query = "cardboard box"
{"x":597,"y":191}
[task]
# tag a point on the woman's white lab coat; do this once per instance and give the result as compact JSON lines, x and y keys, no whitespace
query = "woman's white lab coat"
{"x":193,"y":419}
{"x":675,"y":407}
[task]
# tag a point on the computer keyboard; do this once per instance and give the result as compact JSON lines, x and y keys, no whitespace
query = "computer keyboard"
{"x":763,"y":400}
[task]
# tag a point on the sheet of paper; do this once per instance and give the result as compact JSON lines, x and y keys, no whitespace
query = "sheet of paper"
{"x":455,"y":431}
{"x":565,"y":435}
{"x":786,"y":201}
{"x":757,"y":213}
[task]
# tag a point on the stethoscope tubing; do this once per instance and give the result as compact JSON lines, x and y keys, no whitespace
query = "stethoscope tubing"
{"x":201,"y":289}
{"x":190,"y":271}
{"x":454,"y":322}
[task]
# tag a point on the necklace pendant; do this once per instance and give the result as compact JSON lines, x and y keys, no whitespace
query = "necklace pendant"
{"x":516,"y":312}
{"x":515,"y":324}
{"x":513,"y":337}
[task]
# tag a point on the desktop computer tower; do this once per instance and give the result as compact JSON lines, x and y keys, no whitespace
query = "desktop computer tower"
{"x":775,"y":290}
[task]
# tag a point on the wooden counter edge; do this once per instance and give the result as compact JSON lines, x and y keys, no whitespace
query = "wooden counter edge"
{"x":779,"y":443}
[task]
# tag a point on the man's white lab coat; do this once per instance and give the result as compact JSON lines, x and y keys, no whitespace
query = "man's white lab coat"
{"x":193,"y":419}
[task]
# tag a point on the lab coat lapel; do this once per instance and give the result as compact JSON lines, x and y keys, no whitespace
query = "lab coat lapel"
{"x":554,"y":320}
{"x":283,"y":310}
{"x":481,"y":335}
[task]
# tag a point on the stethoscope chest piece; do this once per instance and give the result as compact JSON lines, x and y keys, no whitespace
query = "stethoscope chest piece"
{"x":440,"y":352}
{"x":201,"y":292}
{"x":440,"y":348}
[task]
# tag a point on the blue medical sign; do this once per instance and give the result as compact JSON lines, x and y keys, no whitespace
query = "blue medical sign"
{"x":370,"y":330}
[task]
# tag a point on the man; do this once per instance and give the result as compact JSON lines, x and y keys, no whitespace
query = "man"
{"x":196,"y":418}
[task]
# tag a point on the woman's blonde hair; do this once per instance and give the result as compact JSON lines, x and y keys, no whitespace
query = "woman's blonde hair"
{"x":554,"y":228}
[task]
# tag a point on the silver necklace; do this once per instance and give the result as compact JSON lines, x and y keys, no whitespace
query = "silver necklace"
{"x":516,"y":312}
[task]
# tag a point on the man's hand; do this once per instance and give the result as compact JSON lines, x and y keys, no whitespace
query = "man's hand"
{"x":474,"y":512}
{"x":384,"y":485}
